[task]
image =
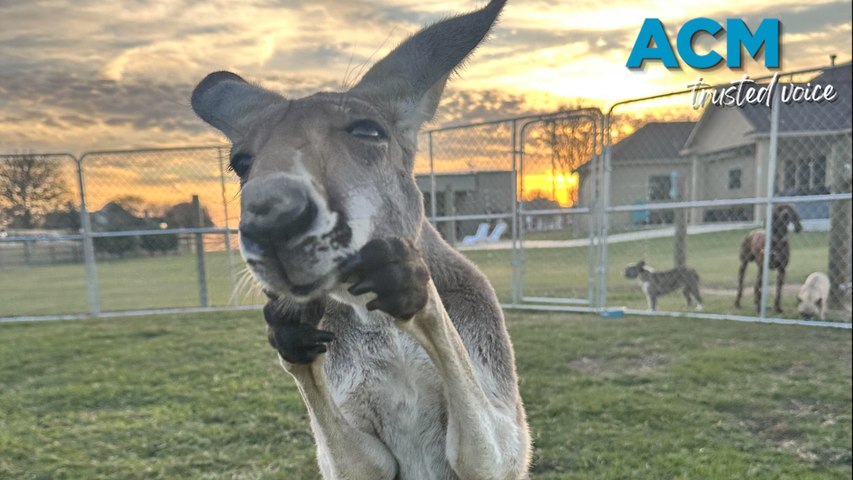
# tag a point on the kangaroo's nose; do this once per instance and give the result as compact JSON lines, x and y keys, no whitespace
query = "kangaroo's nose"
{"x":275,"y":208}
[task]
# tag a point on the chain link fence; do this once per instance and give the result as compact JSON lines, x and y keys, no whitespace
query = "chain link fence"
{"x":654,"y":208}
{"x":700,"y":195}
{"x":469,"y":194}
{"x":128,"y":231}
{"x":41,"y":246}
{"x":165,"y":214}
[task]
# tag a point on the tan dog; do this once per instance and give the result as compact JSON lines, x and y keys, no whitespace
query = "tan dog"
{"x":813,"y":296}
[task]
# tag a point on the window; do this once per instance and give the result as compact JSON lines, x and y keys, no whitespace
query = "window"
{"x":735,"y":179}
{"x":819,"y":175}
{"x":659,"y":187}
{"x":789,"y":175}
{"x":805,"y":176}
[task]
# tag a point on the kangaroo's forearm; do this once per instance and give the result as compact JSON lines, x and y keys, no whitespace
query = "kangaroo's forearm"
{"x":485,"y":440}
{"x":344,"y":452}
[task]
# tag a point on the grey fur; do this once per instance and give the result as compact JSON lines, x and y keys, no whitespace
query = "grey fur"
{"x":654,"y":284}
{"x":434,"y":397}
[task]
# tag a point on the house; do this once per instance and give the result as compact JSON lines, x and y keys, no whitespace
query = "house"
{"x":644,"y":165}
{"x":466,"y":193}
{"x":729,"y":148}
{"x":113,"y":216}
{"x":543,"y":223}
{"x":725,"y":155}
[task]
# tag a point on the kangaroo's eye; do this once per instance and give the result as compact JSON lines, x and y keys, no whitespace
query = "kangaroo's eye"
{"x":366,"y":130}
{"x":240,"y":163}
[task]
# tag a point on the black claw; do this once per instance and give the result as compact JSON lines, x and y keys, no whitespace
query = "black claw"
{"x":392,"y":269}
{"x":324,"y":336}
{"x":292,"y":330}
{"x":362,"y":287}
{"x":373,"y":305}
{"x":349,"y":266}
{"x":270,"y":294}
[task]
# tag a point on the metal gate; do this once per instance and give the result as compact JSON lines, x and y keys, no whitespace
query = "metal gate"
{"x":558,"y":160}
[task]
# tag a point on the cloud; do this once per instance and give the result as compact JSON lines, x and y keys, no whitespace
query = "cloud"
{"x":89,"y":74}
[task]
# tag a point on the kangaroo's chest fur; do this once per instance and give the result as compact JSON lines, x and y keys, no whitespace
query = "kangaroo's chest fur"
{"x":385,"y":383}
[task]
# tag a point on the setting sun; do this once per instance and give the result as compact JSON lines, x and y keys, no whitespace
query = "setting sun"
{"x":561,"y":188}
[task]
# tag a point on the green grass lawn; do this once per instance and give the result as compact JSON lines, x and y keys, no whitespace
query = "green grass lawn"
{"x":563,"y":272}
{"x":170,"y":281}
{"x":202,"y":396}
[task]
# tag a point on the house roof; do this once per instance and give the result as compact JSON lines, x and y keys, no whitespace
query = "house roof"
{"x":653,"y":141}
{"x":660,"y":141}
{"x":113,"y":215}
{"x":809,"y":116}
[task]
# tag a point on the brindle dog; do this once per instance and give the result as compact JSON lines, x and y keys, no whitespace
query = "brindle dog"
{"x":752,"y":250}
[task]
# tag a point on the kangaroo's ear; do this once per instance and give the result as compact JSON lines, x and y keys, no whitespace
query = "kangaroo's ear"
{"x":409,"y":81}
{"x":228,"y":102}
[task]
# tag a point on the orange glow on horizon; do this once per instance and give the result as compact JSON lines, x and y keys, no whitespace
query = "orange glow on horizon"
{"x":562,"y":188}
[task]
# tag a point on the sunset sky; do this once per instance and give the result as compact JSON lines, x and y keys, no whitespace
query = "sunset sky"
{"x":88,"y":75}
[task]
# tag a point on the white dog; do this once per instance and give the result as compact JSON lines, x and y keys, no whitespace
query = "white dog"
{"x":813,"y":296}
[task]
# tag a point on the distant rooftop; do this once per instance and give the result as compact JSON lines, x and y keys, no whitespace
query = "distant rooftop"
{"x":811,"y":117}
{"x":653,"y":141}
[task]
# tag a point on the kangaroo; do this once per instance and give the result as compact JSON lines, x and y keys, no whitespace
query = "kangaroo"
{"x":396,"y":342}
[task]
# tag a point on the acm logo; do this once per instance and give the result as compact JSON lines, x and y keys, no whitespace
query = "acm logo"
{"x":653,"y":44}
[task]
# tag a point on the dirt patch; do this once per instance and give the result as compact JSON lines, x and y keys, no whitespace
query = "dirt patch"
{"x":588,"y":365}
{"x":618,"y":366}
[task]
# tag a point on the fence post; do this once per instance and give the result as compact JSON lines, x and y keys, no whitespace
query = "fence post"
{"x":522,"y":253}
{"x":232,"y":276}
{"x":515,"y":277}
{"x":768,"y":214}
{"x":592,"y":226}
{"x":450,"y":210}
{"x":28,"y":260}
{"x":199,"y":253}
{"x":839,"y":230}
{"x":680,"y":220}
{"x":94,"y":296}
{"x":433,"y":208}
{"x":603,"y":220}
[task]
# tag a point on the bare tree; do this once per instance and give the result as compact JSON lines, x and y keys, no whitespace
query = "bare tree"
{"x":572,"y":144}
{"x":30,"y":186}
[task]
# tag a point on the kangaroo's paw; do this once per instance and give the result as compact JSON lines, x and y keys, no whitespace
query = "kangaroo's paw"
{"x":292,"y":331}
{"x":394,"y":270}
